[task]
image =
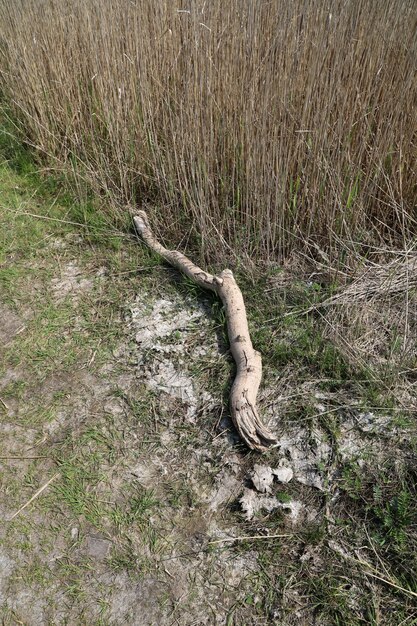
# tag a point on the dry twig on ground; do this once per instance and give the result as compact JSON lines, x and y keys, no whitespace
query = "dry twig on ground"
{"x":248,"y":361}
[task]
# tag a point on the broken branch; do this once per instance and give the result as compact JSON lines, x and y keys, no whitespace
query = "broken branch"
{"x":245,"y":387}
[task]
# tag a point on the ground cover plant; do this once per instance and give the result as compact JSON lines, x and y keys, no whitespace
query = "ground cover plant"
{"x":275,"y":137}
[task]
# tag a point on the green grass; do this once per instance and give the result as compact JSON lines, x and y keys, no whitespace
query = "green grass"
{"x":59,"y":337}
{"x":34,"y":213}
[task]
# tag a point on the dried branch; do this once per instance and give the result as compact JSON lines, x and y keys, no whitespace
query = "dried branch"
{"x":248,"y":361}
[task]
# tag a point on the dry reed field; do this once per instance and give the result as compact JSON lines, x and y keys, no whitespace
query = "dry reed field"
{"x":258,"y":126}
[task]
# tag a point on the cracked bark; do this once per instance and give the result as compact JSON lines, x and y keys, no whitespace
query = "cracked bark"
{"x":245,"y":386}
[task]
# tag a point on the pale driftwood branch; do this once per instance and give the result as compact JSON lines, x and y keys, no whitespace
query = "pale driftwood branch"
{"x":248,"y":361}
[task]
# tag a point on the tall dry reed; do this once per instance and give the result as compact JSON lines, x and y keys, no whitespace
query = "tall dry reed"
{"x":259,"y":125}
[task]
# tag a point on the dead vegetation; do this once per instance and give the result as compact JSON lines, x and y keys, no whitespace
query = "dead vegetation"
{"x":263,"y":126}
{"x":242,"y":405}
{"x":373,"y":319}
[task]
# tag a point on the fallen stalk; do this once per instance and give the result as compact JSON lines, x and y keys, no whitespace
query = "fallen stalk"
{"x":247,"y":538}
{"x":248,"y":361}
{"x":35,"y":495}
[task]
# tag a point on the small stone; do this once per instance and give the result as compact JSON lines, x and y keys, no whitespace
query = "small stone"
{"x":74,"y":533}
{"x":284,"y":474}
{"x":251,"y":503}
{"x":97,"y":547}
{"x":262,"y":478}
